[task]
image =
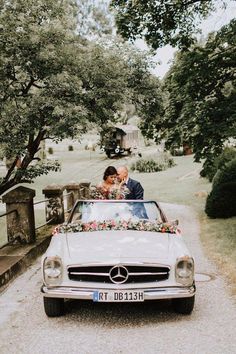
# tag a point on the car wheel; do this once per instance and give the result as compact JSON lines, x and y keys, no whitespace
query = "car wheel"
{"x":183,"y":305}
{"x":53,"y":307}
{"x":108,"y":153}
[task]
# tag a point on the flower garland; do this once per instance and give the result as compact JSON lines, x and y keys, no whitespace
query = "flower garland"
{"x":106,"y":225}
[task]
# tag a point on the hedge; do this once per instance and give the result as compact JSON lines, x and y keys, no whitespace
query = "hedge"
{"x":227,"y":174}
{"x":221,"y":202}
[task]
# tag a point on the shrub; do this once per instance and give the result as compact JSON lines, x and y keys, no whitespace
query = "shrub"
{"x":143,"y":165}
{"x":168,"y":160}
{"x":221,"y":202}
{"x":211,"y":167}
{"x":153,"y":165}
{"x":50,"y":150}
{"x":70,"y":148}
{"x":227,"y":155}
{"x":227,"y":174}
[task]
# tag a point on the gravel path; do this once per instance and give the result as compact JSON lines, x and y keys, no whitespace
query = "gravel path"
{"x":128,"y":328}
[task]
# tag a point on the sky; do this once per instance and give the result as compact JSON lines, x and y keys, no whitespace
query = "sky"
{"x":214,"y":22}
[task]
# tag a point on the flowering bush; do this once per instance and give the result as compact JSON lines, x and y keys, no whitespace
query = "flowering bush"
{"x":139,"y":225}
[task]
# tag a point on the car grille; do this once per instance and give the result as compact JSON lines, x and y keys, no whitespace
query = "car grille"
{"x":101,"y":274}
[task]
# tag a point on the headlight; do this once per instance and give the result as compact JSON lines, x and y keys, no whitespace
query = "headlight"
{"x":52,"y":270}
{"x":184,"y":270}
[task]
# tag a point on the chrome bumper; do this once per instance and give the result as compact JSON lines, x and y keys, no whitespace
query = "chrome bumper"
{"x":149,"y":294}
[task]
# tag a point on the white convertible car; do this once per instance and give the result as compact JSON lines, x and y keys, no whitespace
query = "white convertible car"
{"x":117,"y":251}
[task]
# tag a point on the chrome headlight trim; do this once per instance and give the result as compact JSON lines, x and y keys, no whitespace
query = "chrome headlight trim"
{"x":52,"y":270}
{"x":184,"y":270}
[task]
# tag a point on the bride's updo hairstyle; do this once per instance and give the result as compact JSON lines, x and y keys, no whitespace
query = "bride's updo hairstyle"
{"x":109,"y":171}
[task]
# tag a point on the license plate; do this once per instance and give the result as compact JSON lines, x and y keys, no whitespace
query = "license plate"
{"x":118,"y":296}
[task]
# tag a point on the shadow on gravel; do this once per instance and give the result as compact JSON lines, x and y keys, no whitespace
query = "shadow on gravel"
{"x":117,"y":315}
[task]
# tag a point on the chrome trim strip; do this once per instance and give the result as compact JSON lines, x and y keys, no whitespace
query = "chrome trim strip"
{"x":107,"y":274}
{"x":149,"y":273}
{"x":149,"y":294}
{"x":97,"y":264}
{"x":84,"y":273}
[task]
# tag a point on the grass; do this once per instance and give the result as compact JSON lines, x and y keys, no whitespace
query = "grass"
{"x":180,"y":184}
{"x":218,"y":238}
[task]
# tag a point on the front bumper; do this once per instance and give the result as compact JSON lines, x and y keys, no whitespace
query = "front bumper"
{"x":149,"y":294}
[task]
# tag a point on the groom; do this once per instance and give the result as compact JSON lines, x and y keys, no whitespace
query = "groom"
{"x":136,"y":190}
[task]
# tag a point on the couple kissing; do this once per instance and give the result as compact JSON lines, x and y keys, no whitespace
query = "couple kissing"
{"x":117,"y":184}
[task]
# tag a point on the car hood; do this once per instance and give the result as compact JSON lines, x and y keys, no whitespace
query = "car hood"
{"x":121,"y":246}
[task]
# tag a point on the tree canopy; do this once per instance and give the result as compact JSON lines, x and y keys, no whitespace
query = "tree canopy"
{"x":94,"y":19}
{"x":53,"y":82}
{"x":161,"y":22}
{"x":201,"y":96}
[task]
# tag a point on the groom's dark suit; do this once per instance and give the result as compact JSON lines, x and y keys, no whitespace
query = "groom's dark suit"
{"x":136,"y":190}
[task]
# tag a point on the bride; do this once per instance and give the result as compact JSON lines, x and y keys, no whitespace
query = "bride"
{"x":110,"y":187}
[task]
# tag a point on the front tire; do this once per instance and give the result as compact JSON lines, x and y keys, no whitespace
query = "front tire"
{"x":53,"y":307}
{"x":108,"y":153}
{"x":184,"y":305}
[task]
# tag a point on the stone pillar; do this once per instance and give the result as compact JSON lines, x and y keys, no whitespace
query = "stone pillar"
{"x":84,"y":190}
{"x":20,"y":223}
{"x":54,"y":207}
{"x":74,"y":189}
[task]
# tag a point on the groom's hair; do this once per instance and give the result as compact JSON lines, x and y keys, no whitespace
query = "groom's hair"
{"x":109,"y":171}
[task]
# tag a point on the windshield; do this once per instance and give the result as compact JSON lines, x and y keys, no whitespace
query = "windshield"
{"x":86,"y":211}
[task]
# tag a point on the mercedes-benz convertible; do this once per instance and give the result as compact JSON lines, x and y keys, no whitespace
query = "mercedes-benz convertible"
{"x":117,"y":251}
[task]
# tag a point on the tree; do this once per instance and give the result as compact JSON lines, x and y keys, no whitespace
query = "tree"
{"x":34,"y":36}
{"x":201,"y":90}
{"x":144,"y":91}
{"x":161,"y":22}
{"x":51,"y":85}
{"x":94,"y":19}
{"x":53,"y":82}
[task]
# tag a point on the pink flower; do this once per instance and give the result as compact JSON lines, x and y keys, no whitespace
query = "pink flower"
{"x":94,"y":225}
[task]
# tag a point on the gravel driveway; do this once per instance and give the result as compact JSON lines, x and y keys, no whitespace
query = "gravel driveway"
{"x":127,"y":328}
